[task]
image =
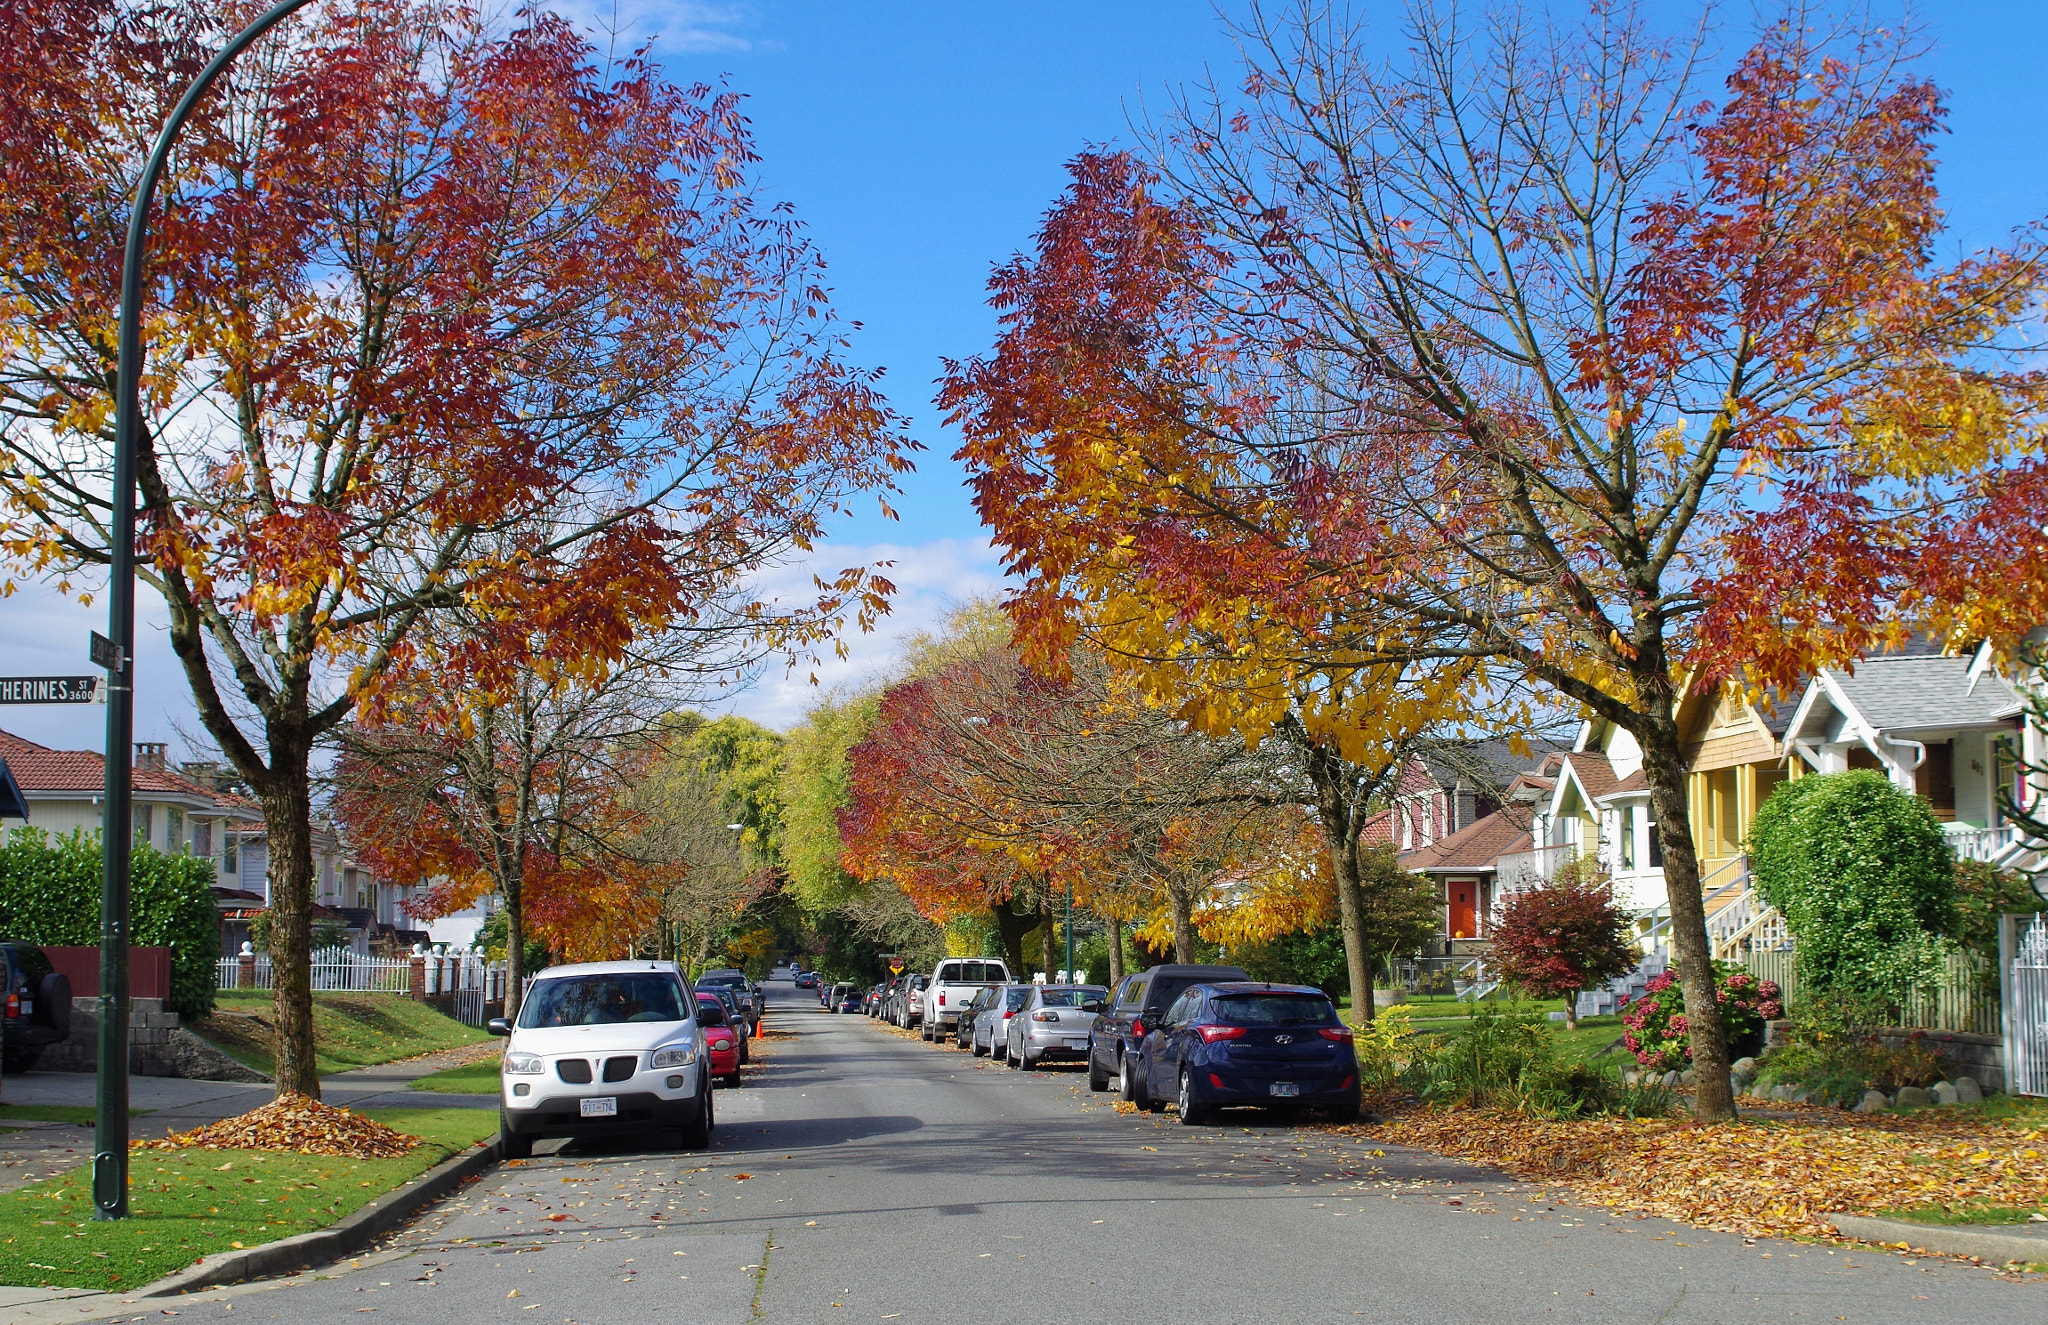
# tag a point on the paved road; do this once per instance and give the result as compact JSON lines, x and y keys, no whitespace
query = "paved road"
{"x":864,"y":1176}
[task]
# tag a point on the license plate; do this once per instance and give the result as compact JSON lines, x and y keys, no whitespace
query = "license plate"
{"x":1288,"y":1088}
{"x":608,"y":1107}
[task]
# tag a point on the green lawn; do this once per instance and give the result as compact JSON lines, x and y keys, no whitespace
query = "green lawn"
{"x":349,"y":1030}
{"x":1975,"y":1214}
{"x":469,"y":1079}
{"x":189,"y":1204}
{"x":82,"y":1114}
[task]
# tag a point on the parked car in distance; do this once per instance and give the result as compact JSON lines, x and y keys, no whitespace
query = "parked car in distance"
{"x":992,"y":1024}
{"x":1239,"y":1042}
{"x":743,"y":989}
{"x":735,"y":1018}
{"x":963,"y":1025}
{"x":603,"y":1048}
{"x":846,"y":997}
{"x":805,"y":980}
{"x":910,"y":1002}
{"x":952,"y":985}
{"x":721,"y":1042}
{"x":1140,"y":999}
{"x":1053,"y":1023}
{"x":38,"y":1006}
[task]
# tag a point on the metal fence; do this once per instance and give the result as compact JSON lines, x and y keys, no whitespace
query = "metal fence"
{"x":2023,"y":957}
{"x":1964,"y":998}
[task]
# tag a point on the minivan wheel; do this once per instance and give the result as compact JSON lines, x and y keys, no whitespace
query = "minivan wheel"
{"x":1126,"y":1081}
{"x":511,"y":1145}
{"x":1192,"y":1113}
{"x":697,"y":1133}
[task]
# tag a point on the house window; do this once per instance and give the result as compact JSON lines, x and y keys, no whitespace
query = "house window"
{"x":174,"y":825}
{"x":202,"y":838}
{"x":1628,"y":837}
{"x":230,"y":854}
{"x":144,"y":825}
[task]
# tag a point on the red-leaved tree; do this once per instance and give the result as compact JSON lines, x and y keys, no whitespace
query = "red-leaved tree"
{"x":1562,"y":937}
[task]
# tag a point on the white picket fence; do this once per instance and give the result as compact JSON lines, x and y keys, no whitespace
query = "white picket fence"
{"x":467,"y":976}
{"x":2023,"y":950}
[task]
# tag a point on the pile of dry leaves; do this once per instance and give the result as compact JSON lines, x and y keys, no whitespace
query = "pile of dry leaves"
{"x":1778,"y":1178}
{"x":297,"y":1123}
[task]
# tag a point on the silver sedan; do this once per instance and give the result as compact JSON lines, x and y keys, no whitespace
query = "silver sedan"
{"x":1054,"y":1023}
{"x":990,"y":1023}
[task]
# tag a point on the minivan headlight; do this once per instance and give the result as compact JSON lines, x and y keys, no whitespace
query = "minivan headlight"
{"x":675,"y":1055}
{"x":522,"y":1065}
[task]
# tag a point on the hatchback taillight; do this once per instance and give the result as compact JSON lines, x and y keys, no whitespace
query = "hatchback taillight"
{"x":1045,"y":1016}
{"x":1211,"y":1034}
{"x":1336,"y":1033}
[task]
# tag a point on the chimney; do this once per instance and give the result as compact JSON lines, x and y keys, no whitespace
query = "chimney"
{"x":202,"y":771}
{"x":150,"y":755}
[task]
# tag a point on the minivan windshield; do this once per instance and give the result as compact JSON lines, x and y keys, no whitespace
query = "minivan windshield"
{"x":603,"y":1000}
{"x":1273,"y":1009}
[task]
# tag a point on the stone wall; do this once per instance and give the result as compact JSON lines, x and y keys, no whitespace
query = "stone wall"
{"x":158,"y":1046}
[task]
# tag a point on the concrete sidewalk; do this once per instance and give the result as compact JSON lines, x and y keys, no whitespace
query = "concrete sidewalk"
{"x":39,"y":1151}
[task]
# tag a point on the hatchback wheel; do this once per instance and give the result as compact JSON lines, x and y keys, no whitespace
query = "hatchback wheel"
{"x":1024,"y":1059}
{"x":1193,"y":1113}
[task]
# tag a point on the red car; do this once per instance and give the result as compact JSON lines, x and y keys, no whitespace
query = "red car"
{"x":719,"y":1038}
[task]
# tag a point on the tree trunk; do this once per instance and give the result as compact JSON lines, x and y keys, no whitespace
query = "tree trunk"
{"x":1664,"y":768}
{"x":1011,"y":927}
{"x":1116,"y":953}
{"x":1337,"y":814}
{"x":1049,"y":945}
{"x":287,"y":799}
{"x":1181,"y":899}
{"x":515,"y":945}
{"x":1571,"y":1009}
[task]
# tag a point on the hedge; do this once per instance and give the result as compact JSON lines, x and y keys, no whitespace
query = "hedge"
{"x":50,"y":896}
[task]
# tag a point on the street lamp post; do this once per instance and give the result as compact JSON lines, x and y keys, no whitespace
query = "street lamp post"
{"x":110,"y":1130}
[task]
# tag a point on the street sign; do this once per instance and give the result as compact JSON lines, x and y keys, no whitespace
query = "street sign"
{"x":103,"y":652}
{"x":48,"y":689}
{"x":896,"y":967}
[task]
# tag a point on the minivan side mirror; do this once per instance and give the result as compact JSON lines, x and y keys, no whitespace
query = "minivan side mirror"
{"x":498,"y":1026}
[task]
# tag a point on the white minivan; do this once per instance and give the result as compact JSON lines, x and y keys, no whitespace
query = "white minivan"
{"x":601,"y":1049}
{"x":954,"y":983}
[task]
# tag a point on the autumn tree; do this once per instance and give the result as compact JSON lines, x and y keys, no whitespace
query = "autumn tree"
{"x":1530,"y":349}
{"x":420,"y":281}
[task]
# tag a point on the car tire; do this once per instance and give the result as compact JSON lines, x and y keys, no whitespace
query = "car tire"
{"x":1098,"y":1080}
{"x":511,"y":1145}
{"x":697,"y":1133}
{"x":1345,"y":1111}
{"x":1193,"y":1113}
{"x":732,"y":1081}
{"x":1126,"y":1080}
{"x":1025,"y":1060}
{"x":22,"y":1058}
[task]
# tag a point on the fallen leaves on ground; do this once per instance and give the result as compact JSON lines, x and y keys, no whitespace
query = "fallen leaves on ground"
{"x":1776,"y":1178}
{"x":295,"y":1123}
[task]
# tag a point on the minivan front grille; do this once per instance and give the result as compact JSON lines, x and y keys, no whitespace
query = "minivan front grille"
{"x":619,"y":1069}
{"x":575,"y":1071}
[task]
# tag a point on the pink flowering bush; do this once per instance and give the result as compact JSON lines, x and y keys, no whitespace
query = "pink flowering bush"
{"x":1655,"y":1028}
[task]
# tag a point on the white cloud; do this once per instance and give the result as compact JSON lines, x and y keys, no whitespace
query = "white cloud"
{"x":676,"y":26}
{"x":931,"y":580}
{"x":44,"y":633}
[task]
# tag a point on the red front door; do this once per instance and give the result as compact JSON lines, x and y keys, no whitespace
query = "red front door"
{"x":1464,"y":908}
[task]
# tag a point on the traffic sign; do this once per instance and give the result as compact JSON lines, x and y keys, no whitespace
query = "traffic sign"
{"x":103,"y":652}
{"x":896,"y":967}
{"x":48,"y":689}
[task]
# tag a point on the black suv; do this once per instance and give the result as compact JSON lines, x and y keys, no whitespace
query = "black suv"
{"x":38,"y":1006}
{"x":1120,"y":1028}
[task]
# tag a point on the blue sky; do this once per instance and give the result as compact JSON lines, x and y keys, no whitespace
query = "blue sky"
{"x":922,"y":141}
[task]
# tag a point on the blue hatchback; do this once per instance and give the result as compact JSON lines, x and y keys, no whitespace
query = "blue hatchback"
{"x":1242,"y":1043}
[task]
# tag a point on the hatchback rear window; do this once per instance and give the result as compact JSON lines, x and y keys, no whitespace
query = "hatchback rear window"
{"x":603,"y":1000}
{"x":1014,"y":998}
{"x":1273,"y":1009}
{"x":1087,"y":999}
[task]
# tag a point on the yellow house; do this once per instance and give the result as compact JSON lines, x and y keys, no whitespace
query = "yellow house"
{"x":1735,"y":757}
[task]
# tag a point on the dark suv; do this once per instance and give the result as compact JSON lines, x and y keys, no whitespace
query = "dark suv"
{"x":38,"y":1006}
{"x":1121,"y":1026}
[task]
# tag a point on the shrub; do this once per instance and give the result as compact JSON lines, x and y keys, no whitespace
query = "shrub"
{"x":50,"y":895}
{"x":1485,"y":1061}
{"x":1833,"y":1055}
{"x":1655,"y":1028}
{"x":1566,"y":936}
{"x":1387,"y":1047}
{"x":1865,"y":880}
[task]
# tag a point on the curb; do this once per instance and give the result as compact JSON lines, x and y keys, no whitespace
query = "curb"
{"x":1944,"y":1240}
{"x":338,"y":1239}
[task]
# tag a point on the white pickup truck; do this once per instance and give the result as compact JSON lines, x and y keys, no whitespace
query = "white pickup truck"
{"x":954,"y":983}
